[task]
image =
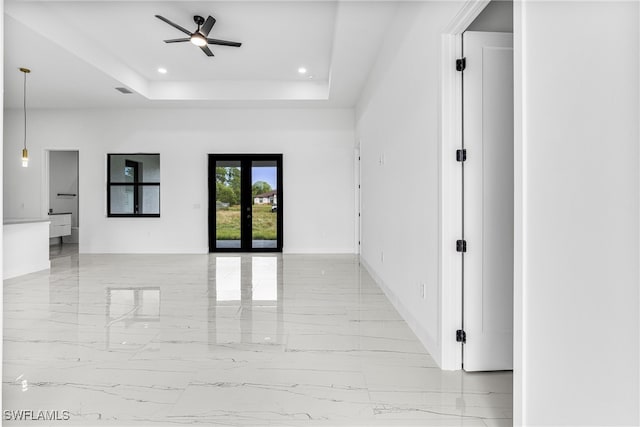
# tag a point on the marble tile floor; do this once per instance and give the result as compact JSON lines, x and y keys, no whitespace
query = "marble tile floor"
{"x":62,"y":250}
{"x":226,"y":340}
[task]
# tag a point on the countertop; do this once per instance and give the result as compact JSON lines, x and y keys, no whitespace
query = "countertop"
{"x":12,"y":221}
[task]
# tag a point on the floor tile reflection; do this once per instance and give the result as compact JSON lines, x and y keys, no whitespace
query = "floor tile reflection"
{"x":225,"y":340}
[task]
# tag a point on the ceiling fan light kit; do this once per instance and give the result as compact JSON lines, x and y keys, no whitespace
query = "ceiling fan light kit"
{"x":198,"y":40}
{"x":200,"y":36}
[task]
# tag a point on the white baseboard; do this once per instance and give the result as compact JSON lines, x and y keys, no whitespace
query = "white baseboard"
{"x":430,"y":344}
{"x":317,"y":251}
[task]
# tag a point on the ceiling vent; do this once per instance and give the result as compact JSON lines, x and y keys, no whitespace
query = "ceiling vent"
{"x":123,"y":90}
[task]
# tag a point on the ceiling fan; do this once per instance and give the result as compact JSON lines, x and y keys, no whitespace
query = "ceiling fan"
{"x":199,"y":36}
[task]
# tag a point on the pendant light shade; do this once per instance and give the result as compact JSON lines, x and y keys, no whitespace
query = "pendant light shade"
{"x":25,"y":152}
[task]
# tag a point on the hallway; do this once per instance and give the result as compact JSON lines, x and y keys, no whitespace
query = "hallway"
{"x":226,"y":340}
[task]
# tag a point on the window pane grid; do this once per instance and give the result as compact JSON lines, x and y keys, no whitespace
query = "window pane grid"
{"x":133,"y":188}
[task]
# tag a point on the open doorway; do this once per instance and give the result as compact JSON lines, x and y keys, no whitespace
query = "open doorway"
{"x":477,"y":189}
{"x":63,"y":204}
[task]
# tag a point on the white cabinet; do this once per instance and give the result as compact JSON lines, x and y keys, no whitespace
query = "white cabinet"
{"x":60,"y":225}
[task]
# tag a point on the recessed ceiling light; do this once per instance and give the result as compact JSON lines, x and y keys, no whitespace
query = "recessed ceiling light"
{"x":302,"y":70}
{"x":162,"y":70}
{"x":310,"y":77}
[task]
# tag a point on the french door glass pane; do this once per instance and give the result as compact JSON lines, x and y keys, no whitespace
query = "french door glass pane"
{"x":264,"y":200}
{"x":228,"y":220}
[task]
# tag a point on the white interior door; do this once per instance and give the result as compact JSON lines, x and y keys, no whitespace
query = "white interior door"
{"x":488,"y":201}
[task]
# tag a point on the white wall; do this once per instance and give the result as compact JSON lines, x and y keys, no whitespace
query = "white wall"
{"x":577,"y":200}
{"x":497,"y":16}
{"x":398,"y":128}
{"x":318,"y":165}
{"x":1,"y":170}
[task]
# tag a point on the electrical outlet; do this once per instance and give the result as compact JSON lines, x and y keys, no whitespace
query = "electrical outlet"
{"x":382,"y":257}
{"x":423,"y":290}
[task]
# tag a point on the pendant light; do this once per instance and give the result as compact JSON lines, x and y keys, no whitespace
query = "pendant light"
{"x":25,"y":153}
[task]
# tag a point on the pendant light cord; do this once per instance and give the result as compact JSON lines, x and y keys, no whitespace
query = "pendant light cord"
{"x":24,"y":105}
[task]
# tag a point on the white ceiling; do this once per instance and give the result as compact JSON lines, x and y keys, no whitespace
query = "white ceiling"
{"x":79,"y":51}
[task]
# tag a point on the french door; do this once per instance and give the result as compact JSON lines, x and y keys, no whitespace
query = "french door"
{"x":245,"y":202}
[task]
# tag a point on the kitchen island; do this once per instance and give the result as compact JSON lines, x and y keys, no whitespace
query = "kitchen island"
{"x":25,"y":246}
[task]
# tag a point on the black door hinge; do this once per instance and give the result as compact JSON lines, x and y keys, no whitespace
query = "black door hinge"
{"x":461,"y":155}
{"x":461,"y":336}
{"x":461,"y":246}
{"x":461,"y":64}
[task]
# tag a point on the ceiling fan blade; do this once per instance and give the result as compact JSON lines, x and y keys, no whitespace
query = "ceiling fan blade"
{"x":207,"y":26}
{"x":206,"y":50}
{"x":176,"y":26}
{"x":223,"y":42}
{"x":177,"y":40}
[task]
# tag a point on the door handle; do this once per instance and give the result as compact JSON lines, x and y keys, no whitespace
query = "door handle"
{"x":248,"y":216}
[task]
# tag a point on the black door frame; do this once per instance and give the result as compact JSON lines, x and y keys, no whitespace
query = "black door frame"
{"x":246,"y":201}
{"x":136,"y":197}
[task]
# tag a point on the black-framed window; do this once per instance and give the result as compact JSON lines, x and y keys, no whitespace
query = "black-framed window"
{"x":133,"y":185}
